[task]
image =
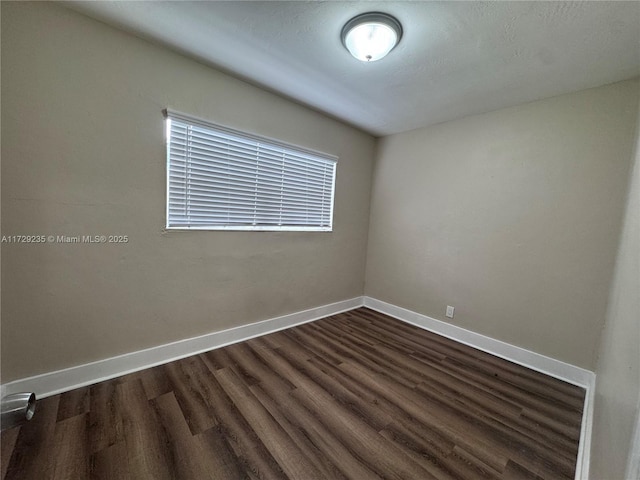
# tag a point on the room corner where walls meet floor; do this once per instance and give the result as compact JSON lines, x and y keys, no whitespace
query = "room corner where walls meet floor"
{"x":60,"y":381}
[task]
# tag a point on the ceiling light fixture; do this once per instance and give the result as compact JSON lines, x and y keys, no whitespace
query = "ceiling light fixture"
{"x":370,"y":36}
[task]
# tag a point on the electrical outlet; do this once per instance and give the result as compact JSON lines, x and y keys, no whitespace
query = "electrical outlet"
{"x":450,"y":310}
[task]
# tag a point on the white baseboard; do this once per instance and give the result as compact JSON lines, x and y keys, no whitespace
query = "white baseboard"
{"x":59,"y":381}
{"x":64,"y":380}
{"x":633,"y":465}
{"x":535,"y":361}
{"x":584,"y":448}
{"x":550,"y":366}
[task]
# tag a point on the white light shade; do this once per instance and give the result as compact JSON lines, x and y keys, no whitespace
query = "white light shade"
{"x":371,"y":36}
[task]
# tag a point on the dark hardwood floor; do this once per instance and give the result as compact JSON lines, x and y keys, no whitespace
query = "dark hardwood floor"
{"x":357,"y":395}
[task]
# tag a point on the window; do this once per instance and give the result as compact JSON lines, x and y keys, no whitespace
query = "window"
{"x":223,"y":179}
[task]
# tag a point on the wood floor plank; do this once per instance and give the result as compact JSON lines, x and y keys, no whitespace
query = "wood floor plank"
{"x":218,"y":359}
{"x":148,"y":455}
{"x":357,"y":395}
{"x":358,"y":406}
{"x":493,"y":365}
{"x":7,"y":443}
{"x":509,"y":437}
{"x":251,"y":452}
{"x":110,"y":463}
{"x":191,"y":380}
{"x":31,"y":457}
{"x":71,"y":448}
{"x":105,"y":421}
{"x":316,"y":346}
{"x":453,"y":429}
{"x":171,"y":417}
{"x":299,"y":435}
{"x":529,"y":431}
{"x":553,"y":408}
{"x":248,"y":448}
{"x":250,"y":365}
{"x":281,"y":446}
{"x":385,"y":459}
{"x":321,"y":436}
{"x":361,"y":436}
{"x":496,"y":448}
{"x":155,"y":382}
{"x":75,"y":402}
{"x":213,"y":457}
{"x":203,"y":456}
{"x":439,"y":445}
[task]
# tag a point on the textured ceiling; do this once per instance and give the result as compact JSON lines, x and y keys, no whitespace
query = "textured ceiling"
{"x":455,"y":58}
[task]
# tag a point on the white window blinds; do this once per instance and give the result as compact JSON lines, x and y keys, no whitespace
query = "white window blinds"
{"x":222,"y":179}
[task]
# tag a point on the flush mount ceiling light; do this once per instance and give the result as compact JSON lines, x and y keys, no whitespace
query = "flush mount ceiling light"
{"x":370,"y":36}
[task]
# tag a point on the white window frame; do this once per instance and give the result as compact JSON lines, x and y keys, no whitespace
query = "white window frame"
{"x":290,"y":154}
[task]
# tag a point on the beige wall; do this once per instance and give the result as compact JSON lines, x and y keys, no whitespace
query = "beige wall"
{"x":513,"y":217}
{"x":618,"y":367}
{"x":83,"y":154}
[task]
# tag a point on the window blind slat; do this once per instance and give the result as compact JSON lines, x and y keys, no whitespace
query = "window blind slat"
{"x":211,"y":160}
{"x":268,"y":201}
{"x":240,"y":184}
